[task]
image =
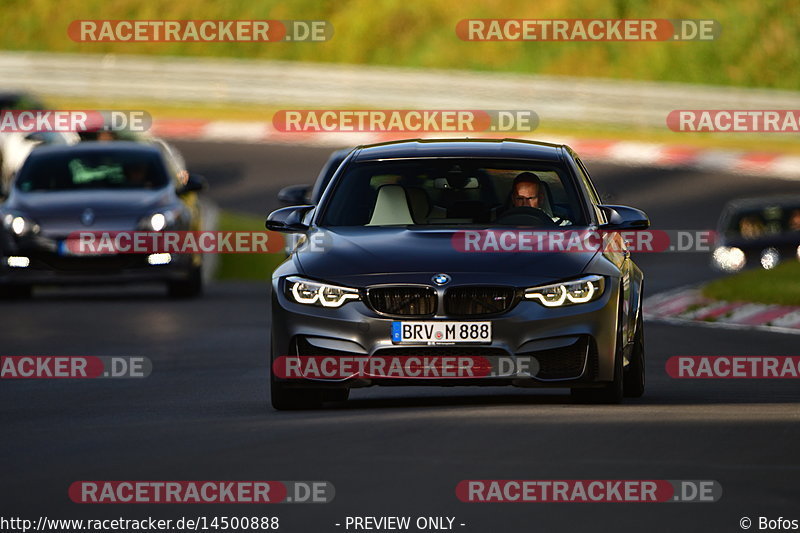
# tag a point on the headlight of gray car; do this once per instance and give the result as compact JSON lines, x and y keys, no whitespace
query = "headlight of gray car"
{"x":304,"y":291}
{"x":576,"y":291}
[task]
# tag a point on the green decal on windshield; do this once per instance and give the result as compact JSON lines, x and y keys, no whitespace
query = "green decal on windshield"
{"x":85,"y":174}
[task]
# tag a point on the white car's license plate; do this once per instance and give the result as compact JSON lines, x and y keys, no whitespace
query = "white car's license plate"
{"x":65,"y":248}
{"x":441,"y":332}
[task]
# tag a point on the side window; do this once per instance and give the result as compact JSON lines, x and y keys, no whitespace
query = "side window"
{"x":593,"y":196}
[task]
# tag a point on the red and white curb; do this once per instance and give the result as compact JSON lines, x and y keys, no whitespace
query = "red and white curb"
{"x":618,"y":152}
{"x":688,"y":305}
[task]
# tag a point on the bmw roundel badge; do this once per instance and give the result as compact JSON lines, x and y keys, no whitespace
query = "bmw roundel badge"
{"x":87,"y":217}
{"x":441,"y":279}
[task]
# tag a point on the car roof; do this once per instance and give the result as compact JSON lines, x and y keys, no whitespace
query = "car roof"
{"x":475,"y":148}
{"x":98,"y":147}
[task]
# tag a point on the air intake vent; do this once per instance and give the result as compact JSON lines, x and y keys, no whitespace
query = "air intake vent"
{"x":471,"y":301}
{"x":403,"y":300}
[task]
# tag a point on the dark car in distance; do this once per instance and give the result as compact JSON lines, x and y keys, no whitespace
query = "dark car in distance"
{"x":97,"y":186}
{"x":391,"y":283}
{"x":758,"y":231}
{"x":311,"y":194}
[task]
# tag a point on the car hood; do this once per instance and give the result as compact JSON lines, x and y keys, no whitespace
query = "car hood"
{"x":365,"y":256}
{"x":60,"y":211}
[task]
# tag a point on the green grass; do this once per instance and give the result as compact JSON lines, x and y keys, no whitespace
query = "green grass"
{"x":245,"y":266}
{"x":777,"y":286}
{"x":759,"y":45}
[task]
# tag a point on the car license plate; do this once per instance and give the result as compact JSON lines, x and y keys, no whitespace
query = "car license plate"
{"x":441,"y":332}
{"x":64,"y":249}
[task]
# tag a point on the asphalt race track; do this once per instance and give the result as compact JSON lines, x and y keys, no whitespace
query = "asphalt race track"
{"x":204,"y":414}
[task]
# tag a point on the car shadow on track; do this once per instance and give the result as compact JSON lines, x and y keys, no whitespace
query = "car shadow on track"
{"x":765,"y":394}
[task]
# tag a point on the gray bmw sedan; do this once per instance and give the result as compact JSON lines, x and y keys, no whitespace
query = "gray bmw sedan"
{"x":457,"y":262}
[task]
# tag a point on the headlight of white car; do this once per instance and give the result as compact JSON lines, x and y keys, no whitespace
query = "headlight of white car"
{"x":159,"y":220}
{"x":304,"y":291}
{"x":576,"y":291}
{"x":19,"y":225}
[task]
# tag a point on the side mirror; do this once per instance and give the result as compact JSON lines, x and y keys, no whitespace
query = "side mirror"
{"x":37,"y":136}
{"x":621,"y":217}
{"x":294,"y":194}
{"x":289,"y":219}
{"x":194,"y":183}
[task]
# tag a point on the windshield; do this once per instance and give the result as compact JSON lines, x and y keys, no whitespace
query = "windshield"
{"x":98,"y":170}
{"x":766,"y":221}
{"x":433,"y":192}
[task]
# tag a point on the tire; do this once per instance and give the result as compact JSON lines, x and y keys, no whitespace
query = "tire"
{"x":336,"y":395}
{"x":285,"y":398}
{"x":189,"y":288}
{"x":634,"y":375}
{"x":612,"y":392}
{"x":291,"y":399}
{"x":16,"y":292}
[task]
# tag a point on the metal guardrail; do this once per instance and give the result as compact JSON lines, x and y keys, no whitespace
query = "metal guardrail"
{"x":321,"y":85}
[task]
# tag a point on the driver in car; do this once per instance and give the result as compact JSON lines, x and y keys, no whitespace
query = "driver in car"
{"x":528,"y":191}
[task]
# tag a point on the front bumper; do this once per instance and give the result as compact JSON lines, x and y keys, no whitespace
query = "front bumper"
{"x":49,"y":267}
{"x":575,"y":346}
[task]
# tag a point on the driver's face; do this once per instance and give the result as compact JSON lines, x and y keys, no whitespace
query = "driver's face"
{"x":526,"y":195}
